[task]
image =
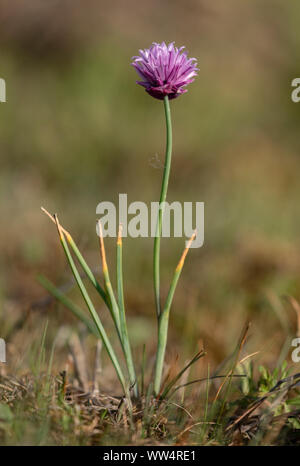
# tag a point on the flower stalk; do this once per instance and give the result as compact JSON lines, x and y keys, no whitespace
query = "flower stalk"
{"x":165,"y":71}
{"x":163,"y":195}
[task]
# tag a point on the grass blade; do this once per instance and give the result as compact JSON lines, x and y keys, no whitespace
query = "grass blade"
{"x":143,"y":370}
{"x":163,"y":321}
{"x":81,"y":260}
{"x":123,"y":323}
{"x":91,"y":308}
{"x":231,"y":372}
{"x":109,"y":290}
{"x":199,"y":355}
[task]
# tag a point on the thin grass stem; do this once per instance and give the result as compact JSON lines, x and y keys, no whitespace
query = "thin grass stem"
{"x":180,"y":374}
{"x":143,"y":366}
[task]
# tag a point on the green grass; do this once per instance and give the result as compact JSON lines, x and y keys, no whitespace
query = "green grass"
{"x":41,"y":408}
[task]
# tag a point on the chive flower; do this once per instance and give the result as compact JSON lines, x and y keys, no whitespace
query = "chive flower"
{"x":165,"y":70}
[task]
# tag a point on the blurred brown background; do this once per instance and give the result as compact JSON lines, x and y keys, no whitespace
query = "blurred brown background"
{"x":76,"y":130}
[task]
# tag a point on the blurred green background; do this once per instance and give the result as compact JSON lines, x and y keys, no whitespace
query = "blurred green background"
{"x":77,"y":130}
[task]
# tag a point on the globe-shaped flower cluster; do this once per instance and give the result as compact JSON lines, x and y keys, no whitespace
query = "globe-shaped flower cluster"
{"x":165,"y":70}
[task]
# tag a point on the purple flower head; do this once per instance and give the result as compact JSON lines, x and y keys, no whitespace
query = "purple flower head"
{"x":165,"y":70}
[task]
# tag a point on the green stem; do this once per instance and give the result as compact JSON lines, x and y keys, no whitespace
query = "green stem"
{"x":163,"y":321}
{"x":92,"y":310}
{"x":87,"y":270}
{"x":112,"y":300}
{"x":81,"y":260}
{"x":163,"y":195}
{"x":123,"y":323}
{"x":163,"y":324}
